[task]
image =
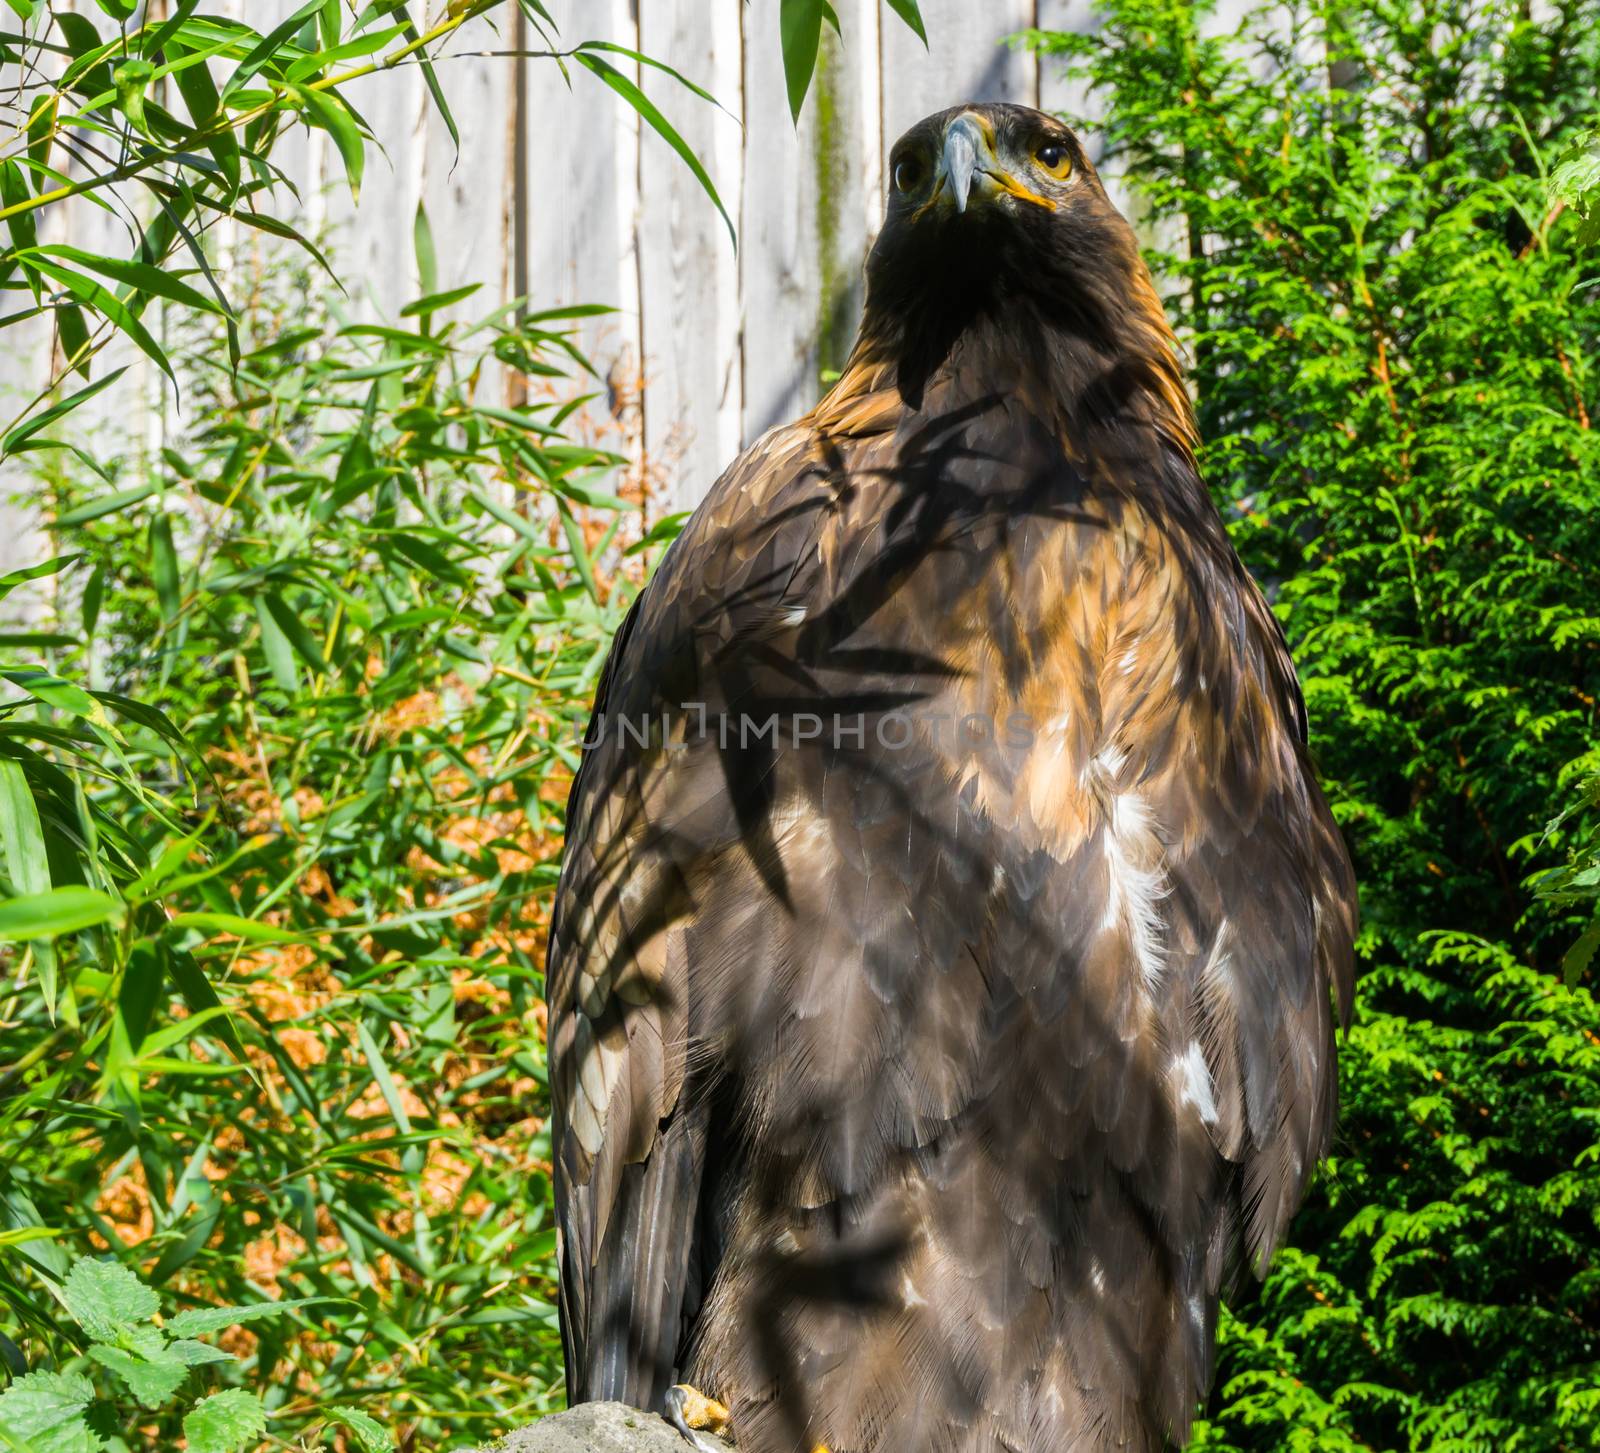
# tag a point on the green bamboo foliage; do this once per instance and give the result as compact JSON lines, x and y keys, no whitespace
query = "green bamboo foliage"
{"x":272,"y":1014}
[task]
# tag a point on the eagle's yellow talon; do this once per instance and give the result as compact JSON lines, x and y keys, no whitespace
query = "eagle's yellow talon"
{"x":689,"y":1409}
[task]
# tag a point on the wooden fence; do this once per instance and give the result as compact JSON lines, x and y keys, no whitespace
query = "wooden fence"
{"x":560,"y":194}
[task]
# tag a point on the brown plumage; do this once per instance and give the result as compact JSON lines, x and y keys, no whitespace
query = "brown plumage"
{"x":924,"y":1067}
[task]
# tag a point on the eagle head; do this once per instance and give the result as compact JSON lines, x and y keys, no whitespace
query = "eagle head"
{"x":997,"y":227}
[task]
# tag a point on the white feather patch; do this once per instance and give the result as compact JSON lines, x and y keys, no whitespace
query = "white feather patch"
{"x":1137,"y":881}
{"x":1193,"y":1077}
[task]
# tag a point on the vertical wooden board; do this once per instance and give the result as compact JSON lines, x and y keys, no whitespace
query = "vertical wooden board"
{"x":371,"y":237}
{"x":688,"y":270}
{"x":580,"y":184}
{"x":466,"y":192}
{"x":25,"y":369}
{"x":779,"y":240}
{"x":965,"y":60}
{"x":810,"y":207}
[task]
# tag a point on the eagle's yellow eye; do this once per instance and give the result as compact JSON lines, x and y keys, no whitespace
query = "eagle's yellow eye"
{"x":1052,"y":156}
{"x":907,"y":174}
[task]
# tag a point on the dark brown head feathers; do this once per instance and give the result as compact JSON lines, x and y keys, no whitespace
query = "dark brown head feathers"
{"x":1042,"y":271}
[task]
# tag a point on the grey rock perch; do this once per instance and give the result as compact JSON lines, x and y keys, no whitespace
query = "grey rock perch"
{"x":600,"y":1428}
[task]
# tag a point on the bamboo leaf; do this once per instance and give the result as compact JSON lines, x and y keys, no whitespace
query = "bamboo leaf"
{"x":141,"y":277}
{"x":103,"y":301}
{"x":427,"y":254}
{"x":28,"y":430}
{"x":909,"y":12}
{"x":61,"y":910}
{"x":164,"y":565}
{"x":800,"y":31}
{"x":612,"y":77}
{"x":295,"y":631}
{"x":330,"y":112}
{"x":27,"y":860}
{"x":47,"y":568}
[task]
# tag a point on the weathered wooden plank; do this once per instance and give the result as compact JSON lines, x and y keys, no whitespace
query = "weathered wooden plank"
{"x":469,"y":194}
{"x":779,"y":238}
{"x":580,"y":179}
{"x":965,"y":61}
{"x":688,"y":269}
{"x":811,"y":205}
{"x":371,"y":236}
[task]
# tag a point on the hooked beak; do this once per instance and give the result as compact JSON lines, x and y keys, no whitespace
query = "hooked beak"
{"x":964,"y":141}
{"x":969,"y":168}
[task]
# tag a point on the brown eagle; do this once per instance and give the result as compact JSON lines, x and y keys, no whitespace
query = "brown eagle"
{"x":945,"y":964}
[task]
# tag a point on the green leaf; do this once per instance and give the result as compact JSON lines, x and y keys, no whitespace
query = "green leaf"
{"x":200,"y":1320}
{"x":199,"y":995}
{"x":61,"y":910}
{"x":1575,"y":178}
{"x":225,"y":1422}
{"x":54,"y":566}
{"x":369,"y":1434}
{"x":268,"y":47}
{"x":580,"y":550}
{"x":1581,"y":954}
{"x":316,"y":63}
{"x":430,"y":75}
{"x":435,"y":302}
{"x":132,"y":79}
{"x":800,"y":30}
{"x":330,"y":113}
{"x":104,"y":302}
{"x":106,"y":1299}
{"x":21,"y":834}
{"x":295,"y":630}
{"x":246,"y":928}
{"x":140,"y":277}
{"x":164,"y":565}
{"x":276,"y":648}
{"x":44,"y":640}
{"x":198,"y":1354}
{"x":647,"y":110}
{"x":907,"y":10}
{"x":93,"y":597}
{"x":107,"y":504}
{"x":151,"y":1377}
{"x":30,"y":427}
{"x":427,"y":253}
{"x":60,"y":693}
{"x":27,"y":861}
{"x":640,"y":58}
{"x":43,"y":1412}
{"x":156,"y":41}
{"x":385,"y":1081}
{"x":72,"y":330}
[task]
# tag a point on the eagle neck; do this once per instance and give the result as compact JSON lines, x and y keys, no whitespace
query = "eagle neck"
{"x":1090,"y":386}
